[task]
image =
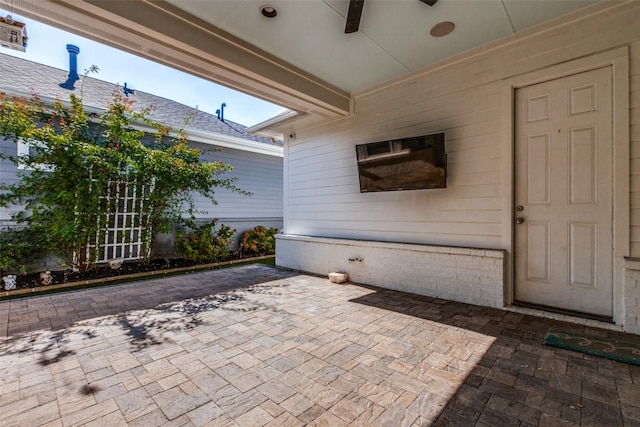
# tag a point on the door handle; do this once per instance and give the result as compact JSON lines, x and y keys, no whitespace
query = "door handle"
{"x":519,"y":220}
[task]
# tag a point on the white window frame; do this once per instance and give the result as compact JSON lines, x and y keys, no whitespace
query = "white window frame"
{"x":24,"y":149}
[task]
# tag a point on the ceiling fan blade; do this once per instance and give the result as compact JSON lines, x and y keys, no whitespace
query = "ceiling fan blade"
{"x":353,"y":17}
{"x":429,"y":2}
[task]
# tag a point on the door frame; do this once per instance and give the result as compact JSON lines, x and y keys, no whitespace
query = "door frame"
{"x":618,"y":59}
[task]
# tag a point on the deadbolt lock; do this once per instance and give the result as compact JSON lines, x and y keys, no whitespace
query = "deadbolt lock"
{"x":520,"y":208}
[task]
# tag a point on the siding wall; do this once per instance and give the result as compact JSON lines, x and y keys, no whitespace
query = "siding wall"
{"x":7,"y":176}
{"x":464,"y":100}
{"x":464,"y":97}
{"x":324,"y":196}
{"x":259,"y":174}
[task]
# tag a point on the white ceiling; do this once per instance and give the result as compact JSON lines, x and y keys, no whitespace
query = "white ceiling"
{"x":301,"y":59}
{"x":393,"y":38}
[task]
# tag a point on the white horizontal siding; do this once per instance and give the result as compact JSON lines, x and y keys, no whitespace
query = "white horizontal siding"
{"x":257,"y":173}
{"x":7,"y":175}
{"x":325,"y":199}
{"x":464,"y":99}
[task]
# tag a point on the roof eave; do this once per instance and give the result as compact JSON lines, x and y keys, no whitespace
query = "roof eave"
{"x":241,"y":144}
{"x":272,"y":128}
{"x":194,"y":135}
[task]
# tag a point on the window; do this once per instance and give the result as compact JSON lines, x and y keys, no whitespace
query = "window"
{"x":28,"y":148}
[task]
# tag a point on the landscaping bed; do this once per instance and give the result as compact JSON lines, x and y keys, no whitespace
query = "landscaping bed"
{"x":32,"y":282}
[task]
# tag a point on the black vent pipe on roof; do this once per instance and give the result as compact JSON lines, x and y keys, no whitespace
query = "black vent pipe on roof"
{"x":73,"y":68}
{"x":220,"y":112}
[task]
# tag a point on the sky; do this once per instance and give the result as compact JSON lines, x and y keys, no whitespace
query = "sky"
{"x":47,"y":45}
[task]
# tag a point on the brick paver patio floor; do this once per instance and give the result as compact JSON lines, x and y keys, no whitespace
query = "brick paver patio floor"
{"x":255,"y":345}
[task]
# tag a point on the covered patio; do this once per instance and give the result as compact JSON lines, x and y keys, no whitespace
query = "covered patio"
{"x":257,"y":345}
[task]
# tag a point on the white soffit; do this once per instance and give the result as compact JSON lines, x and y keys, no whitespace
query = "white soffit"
{"x":525,"y":14}
{"x":301,"y":59}
{"x":393,"y":38}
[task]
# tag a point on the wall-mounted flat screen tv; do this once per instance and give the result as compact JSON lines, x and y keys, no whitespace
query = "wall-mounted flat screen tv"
{"x":403,"y":164}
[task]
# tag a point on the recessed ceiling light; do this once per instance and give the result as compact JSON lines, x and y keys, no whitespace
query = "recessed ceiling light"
{"x":442,"y":29}
{"x":268,"y":11}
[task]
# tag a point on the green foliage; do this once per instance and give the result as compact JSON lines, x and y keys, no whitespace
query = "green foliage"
{"x":76,"y":162}
{"x":205,"y":242}
{"x":258,"y":241}
{"x":17,"y":250}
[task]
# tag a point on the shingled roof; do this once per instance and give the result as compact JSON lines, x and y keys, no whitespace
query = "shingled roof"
{"x":20,"y":75}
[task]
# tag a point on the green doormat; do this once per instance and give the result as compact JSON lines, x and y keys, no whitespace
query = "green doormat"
{"x":621,"y":351}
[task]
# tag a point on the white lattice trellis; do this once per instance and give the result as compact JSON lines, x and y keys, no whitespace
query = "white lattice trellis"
{"x":126,"y":234}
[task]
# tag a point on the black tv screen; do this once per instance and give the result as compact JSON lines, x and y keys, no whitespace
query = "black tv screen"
{"x":403,"y":164}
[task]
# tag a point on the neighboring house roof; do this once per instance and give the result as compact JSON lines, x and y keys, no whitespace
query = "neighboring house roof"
{"x":20,"y":75}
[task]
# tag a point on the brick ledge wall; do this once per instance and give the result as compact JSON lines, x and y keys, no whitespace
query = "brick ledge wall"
{"x":470,"y":275}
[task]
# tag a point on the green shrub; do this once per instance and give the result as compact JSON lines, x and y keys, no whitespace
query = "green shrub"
{"x":68,"y":200}
{"x":205,"y":242}
{"x":18,"y":250}
{"x":258,"y":241}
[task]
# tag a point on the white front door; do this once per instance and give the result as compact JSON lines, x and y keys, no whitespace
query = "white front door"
{"x":563,"y":193}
